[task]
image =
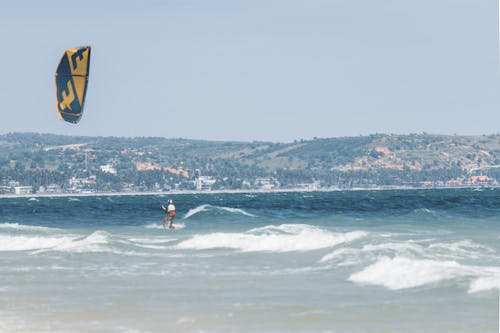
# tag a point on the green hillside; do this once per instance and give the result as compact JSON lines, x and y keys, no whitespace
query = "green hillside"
{"x":144,"y":164}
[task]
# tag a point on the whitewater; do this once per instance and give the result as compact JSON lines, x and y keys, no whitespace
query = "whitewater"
{"x":344,"y":261}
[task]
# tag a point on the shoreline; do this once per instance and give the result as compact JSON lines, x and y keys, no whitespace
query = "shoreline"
{"x":250,"y":191}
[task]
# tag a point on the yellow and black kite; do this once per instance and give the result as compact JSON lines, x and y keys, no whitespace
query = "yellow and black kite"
{"x":71,"y":76}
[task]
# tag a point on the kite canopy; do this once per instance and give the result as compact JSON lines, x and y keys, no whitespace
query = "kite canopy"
{"x":71,"y":77}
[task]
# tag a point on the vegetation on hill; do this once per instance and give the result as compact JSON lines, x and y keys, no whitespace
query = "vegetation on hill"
{"x":42,"y":160}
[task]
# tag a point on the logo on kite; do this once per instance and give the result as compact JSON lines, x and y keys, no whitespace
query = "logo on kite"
{"x":71,"y":77}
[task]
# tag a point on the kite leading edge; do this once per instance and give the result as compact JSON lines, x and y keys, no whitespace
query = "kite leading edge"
{"x":71,"y":78}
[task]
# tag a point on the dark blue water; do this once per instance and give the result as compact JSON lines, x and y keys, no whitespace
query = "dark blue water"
{"x":132,"y":210}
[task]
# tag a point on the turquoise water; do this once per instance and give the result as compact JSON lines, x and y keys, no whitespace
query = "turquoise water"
{"x":361,"y":261}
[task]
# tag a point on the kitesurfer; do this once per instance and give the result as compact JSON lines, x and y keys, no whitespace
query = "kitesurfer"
{"x":170,"y":210}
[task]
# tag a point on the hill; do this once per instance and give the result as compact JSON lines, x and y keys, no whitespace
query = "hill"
{"x":48,"y":162}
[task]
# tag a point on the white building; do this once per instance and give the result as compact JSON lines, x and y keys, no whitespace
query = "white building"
{"x":264,"y":183}
{"x":23,"y":189}
{"x":204,"y":183}
{"x":108,"y":168}
{"x":310,"y":186}
{"x":52,"y":188}
{"x":77,"y":182}
{"x":5,"y":189}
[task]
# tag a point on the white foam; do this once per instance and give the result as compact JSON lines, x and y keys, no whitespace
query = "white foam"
{"x":151,"y":246}
{"x":463,"y":247}
{"x":71,"y":243}
{"x":283,"y":238}
{"x":235,"y":210}
{"x":423,"y":210}
{"x":203,"y":208}
{"x":148,"y":243}
{"x":154,"y":226}
{"x":178,"y":225}
{"x":395,"y":247}
{"x":26,"y":243}
{"x":17,"y":226}
{"x":340,"y":254}
{"x":485,"y":283}
{"x":453,"y":251}
{"x":94,"y":242}
{"x":401,"y":272}
{"x":369,"y":251}
{"x":152,"y":240}
{"x":196,"y":210}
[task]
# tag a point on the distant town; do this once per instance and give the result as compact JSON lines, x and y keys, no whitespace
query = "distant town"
{"x":32,"y":163}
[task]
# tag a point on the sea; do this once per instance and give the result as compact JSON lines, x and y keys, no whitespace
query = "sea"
{"x":340,"y":261}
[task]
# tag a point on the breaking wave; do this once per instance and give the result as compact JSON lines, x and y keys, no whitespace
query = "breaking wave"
{"x":402,"y":273}
{"x":205,"y":208}
{"x":23,"y":227}
{"x":282,"y":238}
{"x":25,"y":243}
{"x":178,"y":225}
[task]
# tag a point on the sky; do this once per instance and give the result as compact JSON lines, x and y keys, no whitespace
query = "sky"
{"x":265,"y":70}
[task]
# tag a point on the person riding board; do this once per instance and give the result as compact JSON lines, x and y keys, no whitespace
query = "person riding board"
{"x":170,"y":210}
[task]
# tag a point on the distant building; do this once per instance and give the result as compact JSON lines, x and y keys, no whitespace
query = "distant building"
{"x":108,"y":168}
{"x":203,"y":183}
{"x":264,"y":183}
{"x":309,"y":186}
{"x":81,"y":184}
{"x":52,"y":188}
{"x":245,"y":184}
{"x":13,"y":183}
{"x":23,"y":189}
{"x":5,"y":189}
{"x":77,"y":182}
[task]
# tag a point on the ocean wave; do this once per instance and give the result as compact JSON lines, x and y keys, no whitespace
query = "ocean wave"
{"x":423,"y":249}
{"x":402,"y":247}
{"x":154,"y":226}
{"x":282,"y":238}
{"x":423,"y":211}
{"x":403,"y":273}
{"x":346,"y":256}
{"x":485,"y":283}
{"x":27,"y":243}
{"x":178,"y":225}
{"x":161,"y":240}
{"x":150,"y":243}
{"x":206,"y":207}
{"x":151,"y":246}
{"x":95,"y":242}
{"x":24,"y":227}
{"x":462,"y":246}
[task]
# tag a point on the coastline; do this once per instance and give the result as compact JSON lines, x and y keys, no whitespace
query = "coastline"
{"x":249,"y":191}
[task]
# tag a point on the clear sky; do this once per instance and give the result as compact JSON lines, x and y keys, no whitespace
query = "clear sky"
{"x":257,"y":69}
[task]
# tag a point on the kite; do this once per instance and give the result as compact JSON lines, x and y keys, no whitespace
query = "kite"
{"x":71,"y":78}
